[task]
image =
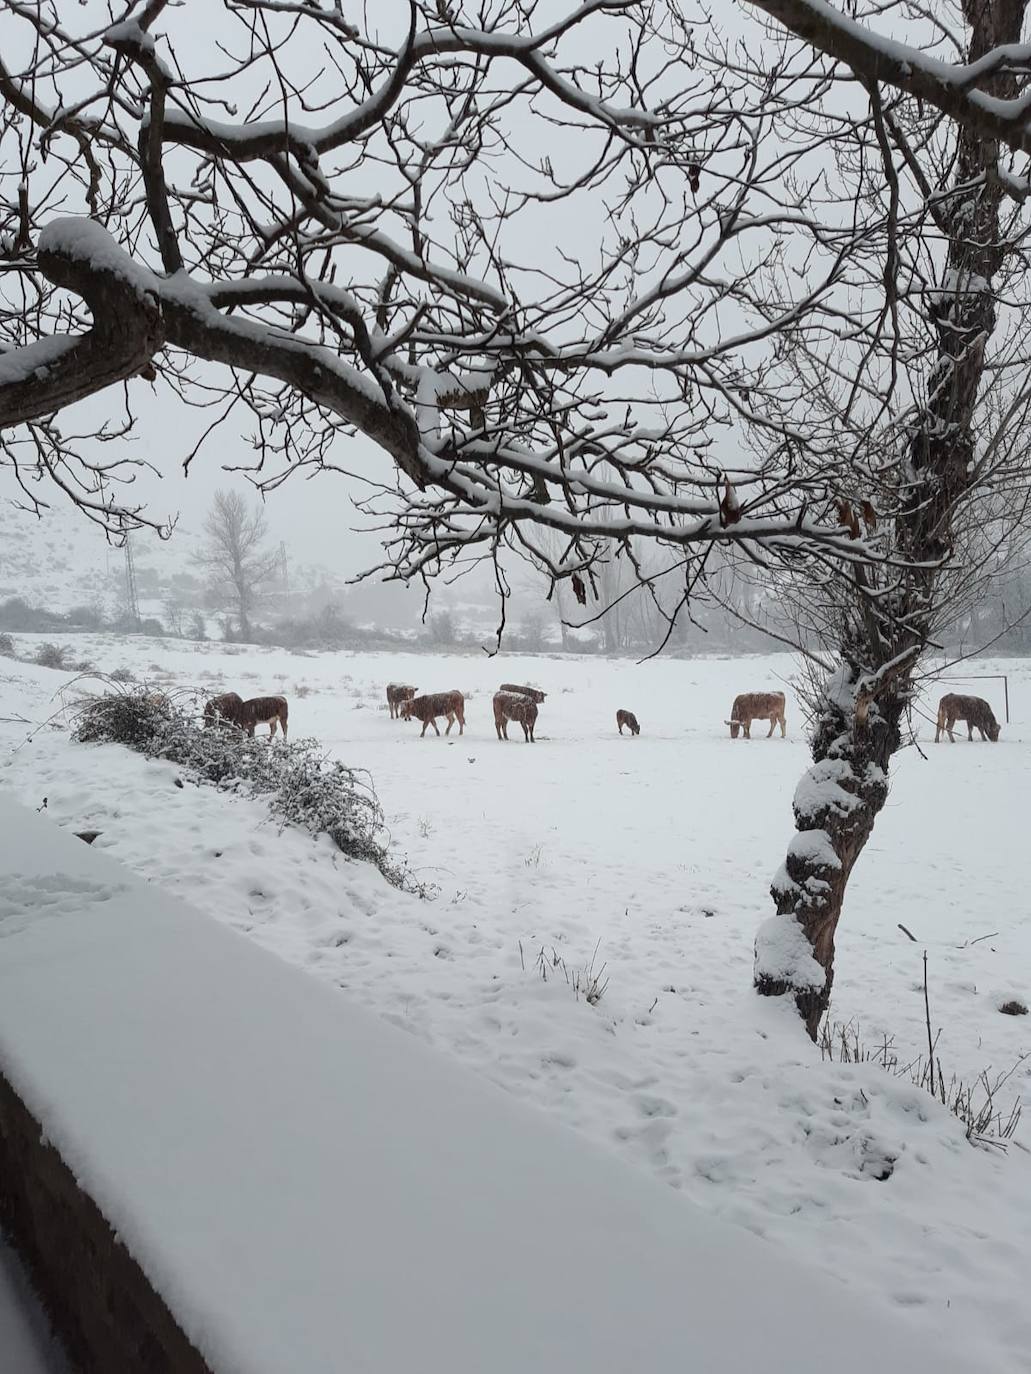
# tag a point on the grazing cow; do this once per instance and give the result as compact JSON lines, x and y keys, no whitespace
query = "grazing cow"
{"x":974,"y":710}
{"x":751,"y":706}
{"x":514,"y":706}
{"x":628,"y":719}
{"x":270,"y":711}
{"x":397,"y":694}
{"x":228,"y":707}
{"x":428,"y":708}
{"x":534,"y":693}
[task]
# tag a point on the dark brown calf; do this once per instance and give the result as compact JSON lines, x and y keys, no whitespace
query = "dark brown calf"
{"x":428,"y":708}
{"x":974,"y":710}
{"x":511,"y":706}
{"x":270,"y":711}
{"x":397,"y":694}
{"x":228,"y":707}
{"x":628,"y":719}
{"x":751,"y":706}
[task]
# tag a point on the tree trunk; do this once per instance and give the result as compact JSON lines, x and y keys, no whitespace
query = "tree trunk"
{"x":858,"y":725}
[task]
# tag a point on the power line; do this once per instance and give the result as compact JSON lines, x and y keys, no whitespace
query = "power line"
{"x":131,"y":594}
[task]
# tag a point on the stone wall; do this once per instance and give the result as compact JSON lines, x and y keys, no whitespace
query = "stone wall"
{"x":99,"y":1300}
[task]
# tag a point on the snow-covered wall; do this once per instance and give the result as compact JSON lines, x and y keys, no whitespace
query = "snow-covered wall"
{"x":308,"y":1188}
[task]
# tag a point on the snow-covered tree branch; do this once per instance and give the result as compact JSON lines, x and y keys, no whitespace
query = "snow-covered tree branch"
{"x":516,"y":251}
{"x":960,"y":86}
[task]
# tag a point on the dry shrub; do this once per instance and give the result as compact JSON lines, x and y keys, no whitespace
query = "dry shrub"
{"x":973,"y":1103}
{"x":54,"y":656}
{"x":302,"y":786}
{"x":586,"y":982}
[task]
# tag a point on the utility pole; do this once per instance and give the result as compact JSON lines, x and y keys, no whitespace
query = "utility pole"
{"x":132,"y":599}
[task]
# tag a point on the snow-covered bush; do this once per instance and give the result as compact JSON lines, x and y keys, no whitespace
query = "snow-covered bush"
{"x":301,"y":784}
{"x":6,"y":646}
{"x":53,"y":656}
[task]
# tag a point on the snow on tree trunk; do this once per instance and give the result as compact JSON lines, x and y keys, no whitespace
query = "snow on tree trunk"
{"x":836,"y":804}
{"x":857,"y":729}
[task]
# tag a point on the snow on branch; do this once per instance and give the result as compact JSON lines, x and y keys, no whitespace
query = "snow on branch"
{"x":538,"y":266}
{"x":957,"y":89}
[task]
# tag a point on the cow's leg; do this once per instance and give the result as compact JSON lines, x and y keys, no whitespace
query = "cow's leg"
{"x":783,"y":726}
{"x":450,"y":722}
{"x":282,"y":725}
{"x":433,"y":722}
{"x":619,"y":723}
{"x":948,"y":730}
{"x":497,"y":727}
{"x":773,"y":726}
{"x":970,"y":732}
{"x":746,"y":728}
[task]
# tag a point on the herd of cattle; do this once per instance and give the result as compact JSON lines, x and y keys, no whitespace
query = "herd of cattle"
{"x":520,"y":704}
{"x":511,"y":702}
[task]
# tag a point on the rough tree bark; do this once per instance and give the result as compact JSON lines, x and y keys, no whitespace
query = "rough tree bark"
{"x":858,"y":726}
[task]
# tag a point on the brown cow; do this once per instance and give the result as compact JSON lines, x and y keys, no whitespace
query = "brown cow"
{"x":751,"y":706}
{"x":630,"y":720}
{"x":534,"y":693}
{"x":974,"y":710}
{"x":514,"y":706}
{"x":428,"y":708}
{"x":270,"y":711}
{"x":228,"y":707}
{"x":397,"y":693}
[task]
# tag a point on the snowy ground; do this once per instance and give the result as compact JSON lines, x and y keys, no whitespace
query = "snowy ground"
{"x":314,"y":1190}
{"x":658,"y":852}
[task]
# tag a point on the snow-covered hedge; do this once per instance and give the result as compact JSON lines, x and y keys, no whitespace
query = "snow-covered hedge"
{"x":301,"y":784}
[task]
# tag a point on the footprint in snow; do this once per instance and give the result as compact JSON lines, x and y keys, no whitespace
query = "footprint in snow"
{"x":651,"y":1106}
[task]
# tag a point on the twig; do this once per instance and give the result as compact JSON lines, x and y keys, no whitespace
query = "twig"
{"x":905,"y":931}
{"x":930,"y":1038}
{"x":990,"y":936}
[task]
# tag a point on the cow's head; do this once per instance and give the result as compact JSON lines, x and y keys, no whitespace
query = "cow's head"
{"x":993,"y":727}
{"x":735,"y":726}
{"x":406,"y":708}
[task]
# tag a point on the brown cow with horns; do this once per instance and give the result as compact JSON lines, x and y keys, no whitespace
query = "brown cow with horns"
{"x":751,"y":706}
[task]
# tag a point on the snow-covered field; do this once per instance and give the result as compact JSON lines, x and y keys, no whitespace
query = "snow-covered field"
{"x":653,"y":856}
